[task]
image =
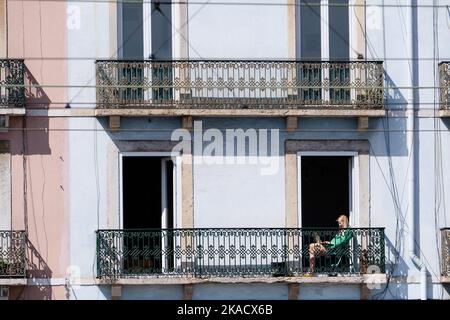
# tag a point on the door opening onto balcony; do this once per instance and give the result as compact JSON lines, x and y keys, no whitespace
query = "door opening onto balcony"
{"x":147,"y":192}
{"x":148,"y":210}
{"x":326,"y":189}
{"x":324,"y":35}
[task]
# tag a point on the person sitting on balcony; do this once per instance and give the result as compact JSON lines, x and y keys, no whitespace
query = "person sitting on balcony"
{"x":320,"y":248}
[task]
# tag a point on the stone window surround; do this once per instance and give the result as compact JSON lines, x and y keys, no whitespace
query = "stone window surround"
{"x":292,"y":147}
{"x":122,"y":146}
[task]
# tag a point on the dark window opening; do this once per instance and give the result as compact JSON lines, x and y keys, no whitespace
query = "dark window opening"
{"x":141,"y":192}
{"x":325,"y":192}
{"x":310,"y":30}
{"x":131,"y":35}
{"x":145,"y":245}
{"x":325,"y":188}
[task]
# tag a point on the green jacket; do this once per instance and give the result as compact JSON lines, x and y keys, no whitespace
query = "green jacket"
{"x":342,"y":238}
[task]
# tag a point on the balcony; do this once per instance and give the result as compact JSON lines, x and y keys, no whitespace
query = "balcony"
{"x":235,"y":253}
{"x":444,"y":84}
{"x":265,"y":88}
{"x":12,"y":256}
{"x":12,"y":90}
{"x":445,"y":258}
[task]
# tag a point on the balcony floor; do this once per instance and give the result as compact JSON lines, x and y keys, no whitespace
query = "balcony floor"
{"x":13,"y":281}
{"x":444,"y":113}
{"x":304,"y":112}
{"x":357,"y":279}
{"x":12,"y":111}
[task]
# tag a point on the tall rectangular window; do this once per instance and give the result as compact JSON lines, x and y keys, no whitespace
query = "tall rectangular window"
{"x":131,"y":31}
{"x":310,"y":50}
{"x":324,"y":36}
{"x":161,"y":35}
{"x":145,"y":32}
{"x":310,"y":30}
{"x":339,"y":51}
{"x":161,"y":30}
{"x":339,"y":29}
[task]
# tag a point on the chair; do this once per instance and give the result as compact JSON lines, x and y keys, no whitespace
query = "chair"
{"x":343,"y":259}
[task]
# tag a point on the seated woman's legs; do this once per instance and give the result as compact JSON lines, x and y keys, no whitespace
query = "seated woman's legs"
{"x":315,"y":249}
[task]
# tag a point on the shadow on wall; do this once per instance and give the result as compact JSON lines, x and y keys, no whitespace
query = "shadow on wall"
{"x":36,"y":268}
{"x":446,"y":289}
{"x":394,"y":98}
{"x":446,"y":122}
{"x":35,"y":96}
{"x":389,"y":138}
{"x":36,"y":138}
{"x":395,"y":267}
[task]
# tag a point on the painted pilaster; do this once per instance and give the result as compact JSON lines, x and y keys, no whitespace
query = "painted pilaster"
{"x":359,"y":27}
{"x":291,"y":189}
{"x":291,"y":29}
{"x":187,"y":206}
{"x":181,"y":32}
{"x":113,"y":29}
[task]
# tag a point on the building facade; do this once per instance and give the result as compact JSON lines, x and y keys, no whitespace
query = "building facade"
{"x":157,"y":150}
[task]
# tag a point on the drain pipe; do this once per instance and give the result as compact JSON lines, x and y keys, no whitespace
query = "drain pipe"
{"x":410,"y":126}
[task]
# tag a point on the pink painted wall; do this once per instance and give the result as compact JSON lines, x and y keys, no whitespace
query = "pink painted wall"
{"x":37,"y":33}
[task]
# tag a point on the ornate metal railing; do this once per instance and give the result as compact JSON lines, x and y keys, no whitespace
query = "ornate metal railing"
{"x":444,"y":77}
{"x":236,"y":252}
{"x":239,"y":84}
{"x":12,"y":254}
{"x":445,"y":246}
{"x":12,"y":90}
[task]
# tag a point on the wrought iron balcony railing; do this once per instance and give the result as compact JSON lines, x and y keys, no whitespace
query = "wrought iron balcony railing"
{"x":12,"y":90}
{"x":445,"y":245}
{"x":239,"y":84}
{"x":12,"y":254}
{"x":444,"y":79}
{"x":236,"y":252}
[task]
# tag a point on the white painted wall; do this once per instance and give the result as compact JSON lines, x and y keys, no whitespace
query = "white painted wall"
{"x":154,"y":292}
{"x":221,"y":29}
{"x":87,"y":41}
{"x":240,"y":292}
{"x":90,"y":293}
{"x":327,"y":292}
{"x":88,"y":185}
{"x":252,"y":201}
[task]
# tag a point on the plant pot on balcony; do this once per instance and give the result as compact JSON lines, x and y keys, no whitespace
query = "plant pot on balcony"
{"x":281,"y":269}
